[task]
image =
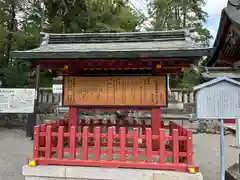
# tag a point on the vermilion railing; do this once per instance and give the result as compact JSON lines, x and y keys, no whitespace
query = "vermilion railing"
{"x":54,"y":143}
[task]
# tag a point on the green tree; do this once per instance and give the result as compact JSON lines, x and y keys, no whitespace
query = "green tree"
{"x":180,"y":14}
{"x":21,"y":22}
{"x":91,"y":16}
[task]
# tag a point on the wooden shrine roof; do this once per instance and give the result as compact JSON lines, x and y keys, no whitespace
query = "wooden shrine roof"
{"x":115,"y":45}
{"x":227,"y":42}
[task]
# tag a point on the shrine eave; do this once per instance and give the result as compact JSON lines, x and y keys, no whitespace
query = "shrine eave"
{"x":226,"y":46}
{"x":74,"y":55}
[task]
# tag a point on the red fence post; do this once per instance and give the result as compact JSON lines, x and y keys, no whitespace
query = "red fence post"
{"x":122,"y":144}
{"x":135,"y":144}
{"x":156,"y":125}
{"x":97,"y":134}
{"x":162,"y":146}
{"x":175,"y":142}
{"x":36,"y":142}
{"x":60,"y":143}
{"x":48,"y":153}
{"x":85,"y":143}
{"x":149,"y":144}
{"x":110,"y":143}
{"x":42,"y":139}
{"x":72,"y":143}
{"x":189,"y":148}
{"x":72,"y":117}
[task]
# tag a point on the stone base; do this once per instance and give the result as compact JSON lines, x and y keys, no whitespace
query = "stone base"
{"x":77,"y":172}
{"x":232,"y":173}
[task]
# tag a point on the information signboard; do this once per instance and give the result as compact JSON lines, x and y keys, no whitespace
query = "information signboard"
{"x":219,"y":99}
{"x":17,"y":100}
{"x":144,"y":91}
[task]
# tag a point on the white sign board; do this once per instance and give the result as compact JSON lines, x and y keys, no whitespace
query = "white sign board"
{"x":17,"y":100}
{"x":57,"y":88}
{"x":218,"y":99}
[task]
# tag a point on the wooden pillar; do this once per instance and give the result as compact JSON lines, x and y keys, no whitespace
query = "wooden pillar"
{"x":72,"y":117}
{"x":156,"y":125}
{"x":31,"y":121}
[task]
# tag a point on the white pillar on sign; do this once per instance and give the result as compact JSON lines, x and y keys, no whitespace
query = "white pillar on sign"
{"x":237,"y":124}
{"x":222,"y":177}
{"x":168,"y":87}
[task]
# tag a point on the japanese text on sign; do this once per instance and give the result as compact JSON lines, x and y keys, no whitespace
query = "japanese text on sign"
{"x":115,"y":91}
{"x":17,"y":100}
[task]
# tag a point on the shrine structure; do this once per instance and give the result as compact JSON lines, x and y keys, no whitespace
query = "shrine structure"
{"x":226,"y":46}
{"x":225,"y":59}
{"x":114,"y":71}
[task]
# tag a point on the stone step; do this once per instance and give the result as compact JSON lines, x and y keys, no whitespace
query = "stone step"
{"x":190,"y":107}
{"x":177,"y":111}
{"x":172,"y":101}
{"x":175,"y":106}
{"x":176,"y":116}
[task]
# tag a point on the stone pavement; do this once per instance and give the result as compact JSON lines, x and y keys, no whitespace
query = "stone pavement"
{"x":15,"y":148}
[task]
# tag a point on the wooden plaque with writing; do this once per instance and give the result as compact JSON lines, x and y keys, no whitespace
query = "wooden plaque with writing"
{"x":117,"y":91}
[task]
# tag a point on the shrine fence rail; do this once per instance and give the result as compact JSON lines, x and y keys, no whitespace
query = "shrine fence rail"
{"x":104,"y":146}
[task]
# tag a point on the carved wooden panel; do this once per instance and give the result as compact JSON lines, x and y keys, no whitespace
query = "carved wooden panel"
{"x":115,"y":91}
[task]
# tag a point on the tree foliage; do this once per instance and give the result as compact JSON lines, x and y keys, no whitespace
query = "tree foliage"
{"x":180,"y":14}
{"x":189,"y":78}
{"x":21,"y":22}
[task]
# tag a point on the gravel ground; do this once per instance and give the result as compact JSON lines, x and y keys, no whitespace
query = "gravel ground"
{"x":207,"y":152}
{"x":15,"y":148}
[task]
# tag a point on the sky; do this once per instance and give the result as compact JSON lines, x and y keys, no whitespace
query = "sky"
{"x":212,"y":7}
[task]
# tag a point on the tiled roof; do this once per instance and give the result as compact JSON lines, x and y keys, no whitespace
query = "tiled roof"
{"x":118,"y":45}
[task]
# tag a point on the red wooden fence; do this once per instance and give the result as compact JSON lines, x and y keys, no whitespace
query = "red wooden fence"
{"x":54,"y":144}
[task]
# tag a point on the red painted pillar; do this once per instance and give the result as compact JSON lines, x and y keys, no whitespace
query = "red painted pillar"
{"x":156,"y":125}
{"x":72,"y":117}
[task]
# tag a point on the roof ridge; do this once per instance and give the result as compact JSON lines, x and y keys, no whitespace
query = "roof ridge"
{"x":118,"y":33}
{"x":72,"y":38}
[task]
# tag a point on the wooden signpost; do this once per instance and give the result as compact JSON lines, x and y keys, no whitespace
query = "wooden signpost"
{"x":115,"y":91}
{"x":219,"y":99}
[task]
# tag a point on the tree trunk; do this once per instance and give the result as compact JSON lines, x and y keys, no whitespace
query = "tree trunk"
{"x":184,"y":13}
{"x":10,"y":29}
